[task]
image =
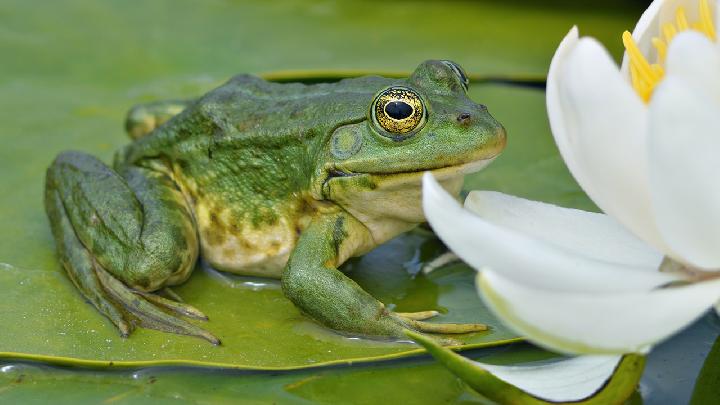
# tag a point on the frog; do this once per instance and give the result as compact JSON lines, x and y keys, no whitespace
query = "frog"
{"x":266,"y":179}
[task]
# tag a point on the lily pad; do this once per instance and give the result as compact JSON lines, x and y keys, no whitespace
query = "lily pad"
{"x":407,"y":381}
{"x":45,"y":319}
{"x":707,"y":385}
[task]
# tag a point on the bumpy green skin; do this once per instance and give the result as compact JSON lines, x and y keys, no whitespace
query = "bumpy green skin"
{"x":276,"y":180}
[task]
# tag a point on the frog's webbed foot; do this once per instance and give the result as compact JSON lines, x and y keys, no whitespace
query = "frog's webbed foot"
{"x":150,"y":310}
{"x":175,"y":305}
{"x":414,"y":321}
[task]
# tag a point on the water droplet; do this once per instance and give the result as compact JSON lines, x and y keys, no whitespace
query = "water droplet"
{"x":8,"y":369}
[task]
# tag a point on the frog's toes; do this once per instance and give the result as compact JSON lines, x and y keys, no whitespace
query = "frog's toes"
{"x":417,"y":316}
{"x":108,"y":307}
{"x":175,"y":306}
{"x":444,"y":341}
{"x":440,"y":261}
{"x":447,"y":328}
{"x":149,"y":310}
{"x":415,"y":320}
{"x":167,"y":292}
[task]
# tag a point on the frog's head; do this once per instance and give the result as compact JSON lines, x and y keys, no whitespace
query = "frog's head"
{"x":424,"y":123}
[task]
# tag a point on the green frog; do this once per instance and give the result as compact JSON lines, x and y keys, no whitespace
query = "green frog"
{"x":266,"y":179}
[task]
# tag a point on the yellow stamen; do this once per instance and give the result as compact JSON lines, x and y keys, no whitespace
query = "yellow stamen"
{"x":681,"y":19}
{"x":644,"y":75}
{"x":669,"y":31}
{"x":706,"y":20}
{"x":659,"y":44}
{"x":636,"y":56}
{"x":659,"y":71}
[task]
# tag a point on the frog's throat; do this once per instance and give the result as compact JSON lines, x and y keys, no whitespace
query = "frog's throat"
{"x":388,"y":204}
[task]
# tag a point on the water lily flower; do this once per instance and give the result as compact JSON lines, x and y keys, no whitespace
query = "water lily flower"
{"x":643,"y":141}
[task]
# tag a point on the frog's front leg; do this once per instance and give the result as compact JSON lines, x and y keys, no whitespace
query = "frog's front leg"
{"x":144,"y":118}
{"x":120,"y":235}
{"x":313,"y":282}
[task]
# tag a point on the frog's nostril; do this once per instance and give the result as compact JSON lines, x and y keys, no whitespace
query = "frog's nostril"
{"x":463,"y":118}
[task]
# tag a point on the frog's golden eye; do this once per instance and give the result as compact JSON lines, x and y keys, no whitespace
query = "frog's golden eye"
{"x":459,"y":72}
{"x":399,"y":111}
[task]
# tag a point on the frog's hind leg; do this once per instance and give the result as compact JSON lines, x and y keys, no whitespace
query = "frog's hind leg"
{"x":121,"y":235}
{"x":144,"y":118}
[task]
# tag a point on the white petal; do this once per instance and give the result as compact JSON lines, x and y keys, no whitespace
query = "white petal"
{"x":602,"y":136}
{"x":551,"y":263}
{"x":685,"y":167}
{"x":604,"y":323}
{"x":583,"y":233}
{"x":559,"y":381}
{"x":556,"y":105}
{"x":696,"y":60}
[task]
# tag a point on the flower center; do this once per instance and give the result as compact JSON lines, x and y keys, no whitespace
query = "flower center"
{"x":644,"y":75}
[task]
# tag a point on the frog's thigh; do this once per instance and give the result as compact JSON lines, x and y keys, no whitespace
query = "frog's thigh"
{"x":137,"y":226}
{"x":168,"y":239}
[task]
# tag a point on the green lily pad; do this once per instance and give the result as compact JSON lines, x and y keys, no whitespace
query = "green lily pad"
{"x":707,"y":385}
{"x":47,"y":320}
{"x":408,"y":381}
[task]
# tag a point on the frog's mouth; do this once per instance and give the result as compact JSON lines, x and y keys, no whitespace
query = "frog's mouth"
{"x":440,"y":173}
{"x":397,"y":195}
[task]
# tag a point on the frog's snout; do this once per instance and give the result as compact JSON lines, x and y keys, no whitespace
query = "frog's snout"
{"x":485,"y":133}
{"x":467,"y":117}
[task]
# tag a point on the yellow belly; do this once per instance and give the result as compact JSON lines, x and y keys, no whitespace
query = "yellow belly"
{"x":253,"y":251}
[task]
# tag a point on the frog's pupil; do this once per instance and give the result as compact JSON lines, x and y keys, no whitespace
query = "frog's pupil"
{"x":398,"y":110}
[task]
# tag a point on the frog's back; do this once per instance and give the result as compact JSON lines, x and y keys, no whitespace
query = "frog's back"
{"x":245,"y":154}
{"x":250,"y":113}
